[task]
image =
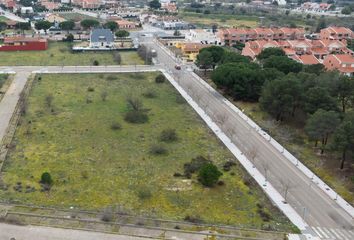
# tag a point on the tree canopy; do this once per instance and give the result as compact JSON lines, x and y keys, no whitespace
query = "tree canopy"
{"x":241,"y":80}
{"x":155,"y":4}
{"x":67,"y":25}
{"x":281,"y":97}
{"x":89,"y":23}
{"x":268,"y":52}
{"x":216,"y":52}
{"x":283,"y":64}
{"x":111,"y":25}
{"x":43,"y":25}
{"x":122,"y":33}
{"x":321,"y":125}
{"x":209,"y":174}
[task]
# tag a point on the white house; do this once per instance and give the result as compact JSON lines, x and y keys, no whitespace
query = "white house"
{"x":26,"y":10}
{"x":101,"y":38}
{"x":203,"y":36}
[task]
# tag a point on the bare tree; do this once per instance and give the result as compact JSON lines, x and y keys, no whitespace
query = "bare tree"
{"x":104,"y":95}
{"x":286,"y":186}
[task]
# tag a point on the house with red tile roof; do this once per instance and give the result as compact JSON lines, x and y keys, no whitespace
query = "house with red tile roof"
{"x":124,"y":24}
{"x":336,"y":33}
{"x":344,"y":63}
{"x":23,"y":44}
{"x":307,"y":59}
{"x":253,"y":48}
{"x":232,"y":35}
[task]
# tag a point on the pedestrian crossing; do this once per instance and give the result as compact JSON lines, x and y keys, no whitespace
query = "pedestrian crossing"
{"x":334,"y":233}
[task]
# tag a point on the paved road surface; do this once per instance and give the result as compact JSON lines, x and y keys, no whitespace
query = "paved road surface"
{"x":309,"y":201}
{"x":10,"y":99}
{"x":47,"y":233}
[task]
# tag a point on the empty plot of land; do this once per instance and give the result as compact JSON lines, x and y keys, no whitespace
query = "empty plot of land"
{"x":75,"y":128}
{"x":59,"y":53}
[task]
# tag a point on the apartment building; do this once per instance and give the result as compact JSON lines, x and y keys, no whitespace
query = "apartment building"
{"x":344,"y":63}
{"x":231,"y":36}
{"x":336,"y":33}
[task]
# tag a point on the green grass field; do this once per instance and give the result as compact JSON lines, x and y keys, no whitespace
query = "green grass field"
{"x":59,"y":53}
{"x":94,"y":166}
{"x":207,"y":20}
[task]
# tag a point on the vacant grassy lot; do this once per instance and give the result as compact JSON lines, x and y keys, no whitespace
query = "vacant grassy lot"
{"x":94,"y":166}
{"x":201,"y":19}
{"x":59,"y":53}
{"x":76,"y":17}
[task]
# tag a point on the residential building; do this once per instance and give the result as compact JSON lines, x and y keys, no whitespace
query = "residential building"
{"x":336,"y":33}
{"x":315,"y":7}
{"x":344,"y":63}
{"x":101,"y":38}
{"x":23,"y":44}
{"x":26,"y":10}
{"x":231,"y":36}
{"x":307,"y":59}
{"x":190,"y":51}
{"x":87,"y":4}
{"x":50,"y":5}
{"x":318,"y":48}
{"x":124,"y":24}
{"x":203,"y":36}
{"x":169,"y":7}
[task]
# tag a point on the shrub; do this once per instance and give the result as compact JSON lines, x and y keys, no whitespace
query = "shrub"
{"x":193,"y":219}
{"x":149,"y":93}
{"x":160,"y":78}
{"x":104,"y":95}
{"x":209,"y":174}
{"x":90,"y":89}
{"x":46,"y":178}
{"x":158,"y":150}
{"x":107,"y":215}
{"x":95,"y":63}
{"x":144,"y":193}
{"x":116,"y":126}
{"x":194,"y":165}
{"x":227,"y":166}
{"x":136,"y":117}
{"x":168,"y":135}
{"x":111,"y":78}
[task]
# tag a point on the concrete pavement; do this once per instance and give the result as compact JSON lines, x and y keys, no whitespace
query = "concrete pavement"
{"x":14,"y":232}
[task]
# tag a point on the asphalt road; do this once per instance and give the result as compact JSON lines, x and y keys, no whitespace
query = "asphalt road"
{"x":309,"y":201}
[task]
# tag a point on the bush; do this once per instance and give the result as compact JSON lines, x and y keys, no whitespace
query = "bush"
{"x":149,"y":93}
{"x":209,"y":174}
{"x":90,"y":89}
{"x":116,"y":126}
{"x":168,"y":135}
{"x":111,"y":78}
{"x":144,"y":193}
{"x":158,"y":150}
{"x":95,"y":63}
{"x":107,"y":215}
{"x":46,"y":178}
{"x":227,"y":166}
{"x":136,"y":117}
{"x":160,"y":78}
{"x":194,"y":165}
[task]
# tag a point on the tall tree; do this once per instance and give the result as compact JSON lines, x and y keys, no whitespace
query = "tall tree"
{"x":268,"y":52}
{"x":343,"y":139}
{"x":216,"y":52}
{"x":280,"y":97}
{"x":112,"y":25}
{"x":67,"y":25}
{"x":89,"y":23}
{"x":205,"y":60}
{"x":283,"y":64}
{"x":321,"y":125}
{"x":230,"y":57}
{"x":3,"y":26}
{"x":319,"y":97}
{"x":43,"y":25}
{"x":345,"y":91}
{"x":155,"y":4}
{"x":243,"y":81}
